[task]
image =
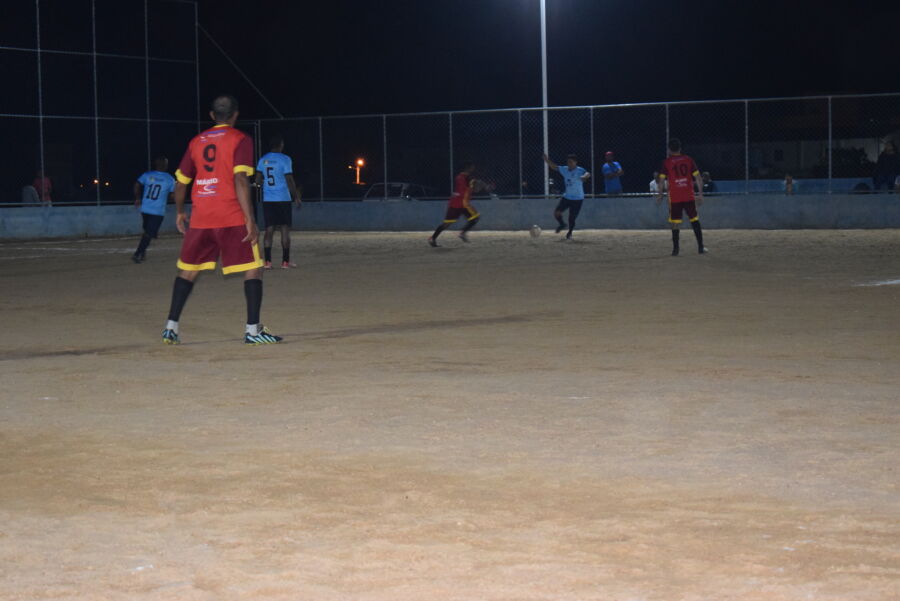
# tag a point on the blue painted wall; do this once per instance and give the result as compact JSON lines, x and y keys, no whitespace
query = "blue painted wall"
{"x":760,"y":211}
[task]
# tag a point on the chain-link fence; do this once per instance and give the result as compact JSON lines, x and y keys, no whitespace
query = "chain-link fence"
{"x":103,"y":93}
{"x":815,"y":145}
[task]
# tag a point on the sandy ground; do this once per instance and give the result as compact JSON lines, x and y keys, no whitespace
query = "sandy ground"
{"x":514,"y":419}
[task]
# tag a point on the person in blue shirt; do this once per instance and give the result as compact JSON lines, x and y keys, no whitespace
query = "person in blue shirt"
{"x":572,"y":199}
{"x":152,"y":191}
{"x":274,"y":174}
{"x":612,"y":172}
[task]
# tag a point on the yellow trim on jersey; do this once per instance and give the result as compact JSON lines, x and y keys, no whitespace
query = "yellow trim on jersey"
{"x":256,"y":263}
{"x":243,"y":169}
{"x":662,"y":176}
{"x":697,"y":172}
{"x":182,"y":178}
{"x":201,"y":267}
{"x":220,"y":125}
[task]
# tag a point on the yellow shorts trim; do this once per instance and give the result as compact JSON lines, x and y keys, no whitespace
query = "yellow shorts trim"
{"x":255,"y":264}
{"x":449,"y":220}
{"x":201,"y":267}
{"x":473,"y":217}
{"x":182,"y":178}
{"x":674,"y":220}
{"x":243,"y":169}
{"x":697,"y":218}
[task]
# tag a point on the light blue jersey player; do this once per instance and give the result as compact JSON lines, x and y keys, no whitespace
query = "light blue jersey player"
{"x":571,"y":201}
{"x":152,"y":191}
{"x":274,"y":175}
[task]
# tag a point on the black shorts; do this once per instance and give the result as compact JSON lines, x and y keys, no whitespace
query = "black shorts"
{"x":567,"y":204}
{"x":151,"y":224}
{"x":677,"y":208}
{"x":454,"y":213}
{"x":278,"y":213}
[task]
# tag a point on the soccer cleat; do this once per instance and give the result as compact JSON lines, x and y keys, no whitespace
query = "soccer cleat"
{"x":287,"y":265}
{"x":464,"y":236}
{"x":267,"y":265}
{"x":264,"y":337}
{"x":703,"y":251}
{"x":432,"y":242}
{"x":560,"y":228}
{"x":674,"y":252}
{"x":136,"y":259}
{"x":569,"y":236}
{"x":170,"y":337}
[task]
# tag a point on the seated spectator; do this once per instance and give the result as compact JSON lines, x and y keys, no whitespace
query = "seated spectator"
{"x":654,"y":183}
{"x":44,"y":188}
{"x":30,"y":196}
{"x":789,"y":185}
{"x":887,"y":168}
{"x":709,"y":186}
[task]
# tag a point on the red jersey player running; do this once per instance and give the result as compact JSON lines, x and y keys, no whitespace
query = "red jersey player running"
{"x":682,"y":175}
{"x":460,"y":205}
{"x":222,"y":225}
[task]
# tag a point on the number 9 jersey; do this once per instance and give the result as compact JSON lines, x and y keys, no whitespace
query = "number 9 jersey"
{"x":212,"y":159}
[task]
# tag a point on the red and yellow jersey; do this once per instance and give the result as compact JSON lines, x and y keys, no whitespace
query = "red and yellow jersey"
{"x":462,"y":191}
{"x":680,"y":170}
{"x":211,"y":160}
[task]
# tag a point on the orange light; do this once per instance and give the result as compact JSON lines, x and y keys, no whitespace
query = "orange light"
{"x":360,"y":162}
{"x":96,"y":182}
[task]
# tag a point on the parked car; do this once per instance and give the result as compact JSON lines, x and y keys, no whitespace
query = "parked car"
{"x":397,"y":192}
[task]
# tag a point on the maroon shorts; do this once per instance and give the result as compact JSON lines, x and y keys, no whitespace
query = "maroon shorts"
{"x":454,"y":213}
{"x":677,"y":208}
{"x":203,"y":247}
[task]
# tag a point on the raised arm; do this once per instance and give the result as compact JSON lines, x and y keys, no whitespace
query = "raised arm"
{"x":550,"y":163}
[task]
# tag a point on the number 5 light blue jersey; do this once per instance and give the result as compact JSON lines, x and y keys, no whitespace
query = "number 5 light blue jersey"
{"x":157,"y":187}
{"x":273,"y":167}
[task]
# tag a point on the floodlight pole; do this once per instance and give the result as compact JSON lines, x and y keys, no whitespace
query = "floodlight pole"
{"x":544,"y":91}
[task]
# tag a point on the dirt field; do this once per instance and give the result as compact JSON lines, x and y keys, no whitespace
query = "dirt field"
{"x":514,"y":419}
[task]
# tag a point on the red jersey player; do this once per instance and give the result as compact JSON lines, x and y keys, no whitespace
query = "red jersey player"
{"x":218,"y":162}
{"x":682,"y":175}
{"x":460,"y":205}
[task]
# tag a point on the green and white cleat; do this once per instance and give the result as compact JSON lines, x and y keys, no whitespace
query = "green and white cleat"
{"x":170,"y":337}
{"x":264,"y":337}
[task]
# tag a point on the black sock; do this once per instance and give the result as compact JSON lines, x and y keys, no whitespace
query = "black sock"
{"x":268,"y":252}
{"x":676,"y":234}
{"x":142,"y":246}
{"x":253,"y":292}
{"x":559,"y":220}
{"x":571,"y":225}
{"x":470,"y":225}
{"x":180,"y":293}
{"x":438,"y":231}
{"x":286,"y":254}
{"x":698,"y":232}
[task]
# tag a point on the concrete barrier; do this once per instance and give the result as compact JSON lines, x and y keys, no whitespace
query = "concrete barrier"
{"x":757,"y":211}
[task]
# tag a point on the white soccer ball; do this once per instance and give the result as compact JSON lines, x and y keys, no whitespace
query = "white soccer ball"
{"x":535,"y":231}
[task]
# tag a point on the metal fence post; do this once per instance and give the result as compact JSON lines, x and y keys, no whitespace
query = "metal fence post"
{"x":521,"y":176}
{"x":147,"y":81}
{"x":450,"y":125}
{"x":37,"y":8}
{"x":667,"y":127}
{"x":321,"y":164}
{"x":593,"y":191}
{"x":830,"y":143}
{"x":384,"y":150}
{"x":746,"y":147}
{"x":96,"y":120}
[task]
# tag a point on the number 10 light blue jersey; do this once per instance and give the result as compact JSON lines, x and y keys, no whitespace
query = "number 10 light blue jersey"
{"x":273,"y":167}
{"x":157,"y":187}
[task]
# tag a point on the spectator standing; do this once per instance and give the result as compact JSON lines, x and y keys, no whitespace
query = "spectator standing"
{"x":789,"y":184}
{"x":709,"y":186}
{"x":612,"y":174}
{"x":887,"y":168}
{"x":44,"y":188}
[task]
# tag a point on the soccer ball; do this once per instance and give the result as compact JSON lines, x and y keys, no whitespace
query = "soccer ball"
{"x":535,"y":231}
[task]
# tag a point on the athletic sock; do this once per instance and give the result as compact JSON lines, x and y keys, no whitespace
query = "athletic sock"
{"x":676,"y":234}
{"x":268,"y":251}
{"x":142,"y":245}
{"x":172,"y":325}
{"x":180,"y":293}
{"x":698,"y":233}
{"x":438,"y":231}
{"x":253,"y":329}
{"x":470,"y":225}
{"x":253,"y":291}
{"x":286,"y":254}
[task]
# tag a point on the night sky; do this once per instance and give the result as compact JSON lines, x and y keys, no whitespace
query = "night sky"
{"x":345,"y":57}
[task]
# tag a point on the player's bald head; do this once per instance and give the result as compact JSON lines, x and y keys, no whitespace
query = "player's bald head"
{"x":223,"y":108}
